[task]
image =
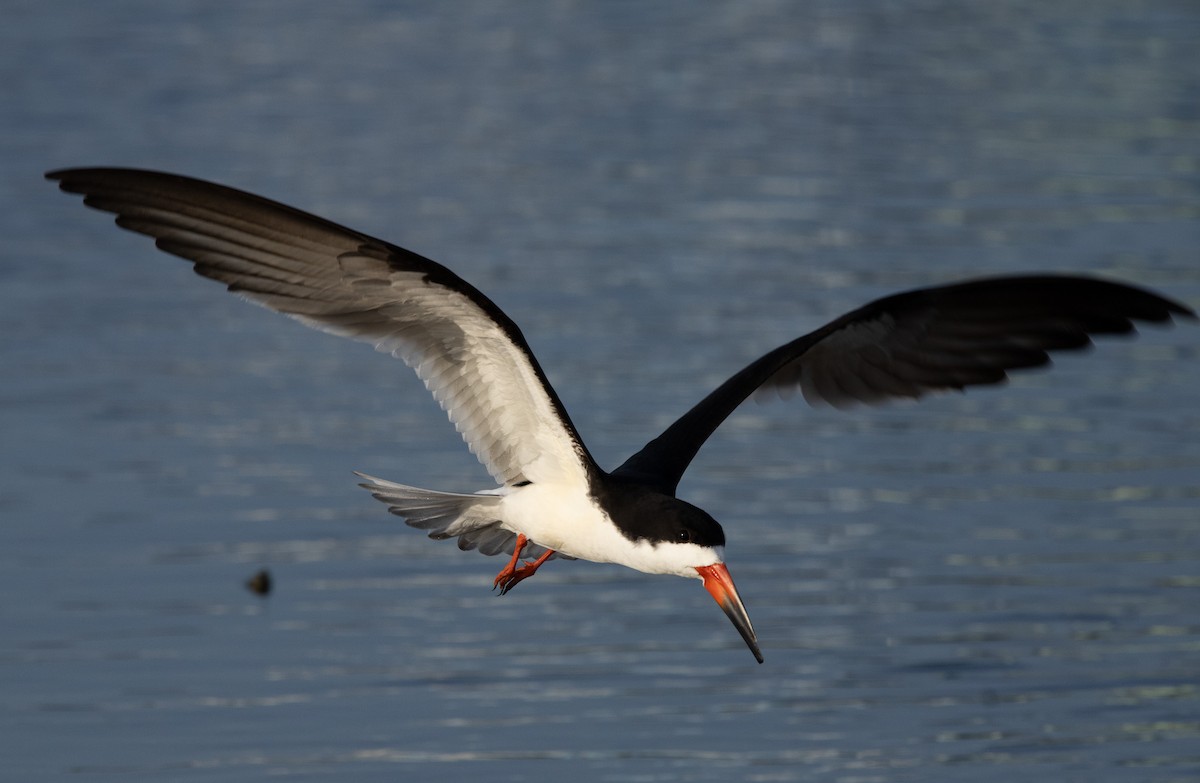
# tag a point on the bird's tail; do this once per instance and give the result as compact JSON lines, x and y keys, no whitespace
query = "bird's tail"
{"x":474,"y":519}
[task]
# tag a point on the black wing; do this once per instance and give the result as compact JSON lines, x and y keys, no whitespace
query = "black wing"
{"x":911,"y":344}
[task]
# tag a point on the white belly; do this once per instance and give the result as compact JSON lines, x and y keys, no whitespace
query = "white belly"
{"x":577,"y":527}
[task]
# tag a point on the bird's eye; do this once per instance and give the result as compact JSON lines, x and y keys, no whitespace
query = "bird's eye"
{"x":683,"y":537}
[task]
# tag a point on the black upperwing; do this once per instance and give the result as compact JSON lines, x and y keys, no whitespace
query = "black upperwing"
{"x":912,"y":344}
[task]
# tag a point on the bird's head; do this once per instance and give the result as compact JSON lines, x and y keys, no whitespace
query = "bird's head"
{"x":679,"y":538}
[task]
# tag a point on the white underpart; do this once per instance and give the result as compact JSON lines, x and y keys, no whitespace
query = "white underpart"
{"x":580,"y":529}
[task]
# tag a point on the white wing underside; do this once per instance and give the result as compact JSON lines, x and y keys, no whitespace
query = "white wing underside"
{"x":484,"y":382}
{"x":351,"y":285}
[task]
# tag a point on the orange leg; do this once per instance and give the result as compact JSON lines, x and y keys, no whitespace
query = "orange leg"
{"x":510,"y":569}
{"x":510,"y":575}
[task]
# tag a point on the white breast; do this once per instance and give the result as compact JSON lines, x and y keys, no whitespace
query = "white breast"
{"x":567,"y":520}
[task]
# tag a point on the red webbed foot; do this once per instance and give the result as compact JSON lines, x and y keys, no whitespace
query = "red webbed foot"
{"x":510,"y":575}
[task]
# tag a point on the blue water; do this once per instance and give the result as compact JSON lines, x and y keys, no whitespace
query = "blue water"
{"x":977,"y":587}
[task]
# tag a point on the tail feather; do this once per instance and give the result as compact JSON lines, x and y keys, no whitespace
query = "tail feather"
{"x":474,"y":519}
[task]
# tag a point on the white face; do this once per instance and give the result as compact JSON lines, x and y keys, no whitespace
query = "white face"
{"x":677,"y":559}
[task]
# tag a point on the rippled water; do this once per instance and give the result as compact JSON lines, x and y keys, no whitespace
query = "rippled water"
{"x":977,"y":587}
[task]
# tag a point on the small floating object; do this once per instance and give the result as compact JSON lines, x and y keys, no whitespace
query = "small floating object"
{"x":260,"y":583}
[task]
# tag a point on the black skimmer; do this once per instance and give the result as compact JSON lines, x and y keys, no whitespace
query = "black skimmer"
{"x":552,"y":498}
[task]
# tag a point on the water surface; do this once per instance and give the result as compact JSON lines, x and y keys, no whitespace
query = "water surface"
{"x":977,"y":587}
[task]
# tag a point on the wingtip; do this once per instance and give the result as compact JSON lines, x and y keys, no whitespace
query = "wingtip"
{"x":58,"y":175}
{"x":61,"y":174}
{"x":64,"y":178}
{"x":368,"y":482}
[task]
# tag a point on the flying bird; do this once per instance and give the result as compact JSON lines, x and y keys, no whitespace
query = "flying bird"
{"x":552,"y":498}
